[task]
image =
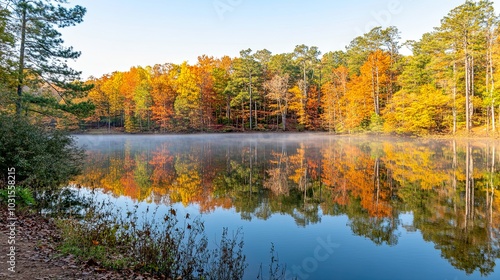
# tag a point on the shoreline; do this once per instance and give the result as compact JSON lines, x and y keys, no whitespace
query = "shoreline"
{"x":38,"y":256}
{"x":458,"y":136}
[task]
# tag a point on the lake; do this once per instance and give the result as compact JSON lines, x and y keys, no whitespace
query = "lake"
{"x":333,"y":207}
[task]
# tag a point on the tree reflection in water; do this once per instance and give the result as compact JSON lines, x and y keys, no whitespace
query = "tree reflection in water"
{"x":451,"y":187}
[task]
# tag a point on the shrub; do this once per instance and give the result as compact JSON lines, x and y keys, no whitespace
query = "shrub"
{"x":42,"y":158}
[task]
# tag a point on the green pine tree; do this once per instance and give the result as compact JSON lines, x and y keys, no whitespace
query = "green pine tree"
{"x":43,"y":76}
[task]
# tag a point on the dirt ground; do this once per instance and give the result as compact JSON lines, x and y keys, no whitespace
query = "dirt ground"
{"x":36,"y":255}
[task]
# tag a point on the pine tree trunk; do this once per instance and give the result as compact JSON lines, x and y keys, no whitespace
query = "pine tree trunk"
{"x":377,"y":102}
{"x":250,"y":92}
{"x":454,"y":99}
{"x":21,"y":63}
{"x":469,"y":91}
{"x":490,"y":80}
{"x":467,"y":124}
{"x":471,"y":88}
{"x":255,"y":112}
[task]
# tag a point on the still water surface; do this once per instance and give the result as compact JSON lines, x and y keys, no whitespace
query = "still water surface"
{"x":334,"y":207}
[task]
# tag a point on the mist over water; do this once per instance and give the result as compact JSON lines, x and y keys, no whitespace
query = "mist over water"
{"x":398,"y":208}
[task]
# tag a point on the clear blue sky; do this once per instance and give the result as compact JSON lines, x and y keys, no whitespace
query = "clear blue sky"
{"x":118,"y":34}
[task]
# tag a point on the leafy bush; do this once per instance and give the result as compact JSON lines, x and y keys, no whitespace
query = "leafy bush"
{"x":42,"y":158}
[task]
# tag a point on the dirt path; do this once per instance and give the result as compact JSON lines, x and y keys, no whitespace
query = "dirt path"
{"x":36,"y":256}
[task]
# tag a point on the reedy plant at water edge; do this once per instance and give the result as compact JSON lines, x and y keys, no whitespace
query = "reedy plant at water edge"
{"x":162,"y":245}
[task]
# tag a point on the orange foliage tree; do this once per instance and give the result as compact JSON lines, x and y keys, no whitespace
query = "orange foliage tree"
{"x":163,"y":95}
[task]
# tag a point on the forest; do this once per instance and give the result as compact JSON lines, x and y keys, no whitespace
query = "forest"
{"x":448,"y":85}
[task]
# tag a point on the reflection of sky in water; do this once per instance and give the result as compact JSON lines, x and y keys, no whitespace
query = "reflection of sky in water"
{"x":352,"y":257}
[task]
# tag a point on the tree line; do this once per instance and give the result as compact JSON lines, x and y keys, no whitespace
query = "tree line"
{"x":447,"y":85}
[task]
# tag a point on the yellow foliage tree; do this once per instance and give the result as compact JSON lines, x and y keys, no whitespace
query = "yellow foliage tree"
{"x":333,"y":100}
{"x":187,"y":103}
{"x":421,"y":112}
{"x":297,"y":104}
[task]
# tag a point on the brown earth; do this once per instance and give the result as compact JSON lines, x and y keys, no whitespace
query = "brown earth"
{"x":36,"y":254}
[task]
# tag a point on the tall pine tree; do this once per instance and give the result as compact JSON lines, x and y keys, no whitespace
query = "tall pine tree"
{"x":43,"y":76}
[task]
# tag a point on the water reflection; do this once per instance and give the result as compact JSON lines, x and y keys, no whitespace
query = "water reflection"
{"x":452,"y":188}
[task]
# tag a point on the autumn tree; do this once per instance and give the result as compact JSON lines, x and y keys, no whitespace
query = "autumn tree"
{"x":107,"y":98}
{"x":418,"y":112}
{"x":359,"y":104}
{"x":142,"y":99}
{"x":100,"y":99}
{"x":278,"y":90}
{"x":111,"y":88}
{"x":135,"y":89}
{"x":187,"y":103}
{"x":306,"y":58}
{"x":375,"y":71}
{"x":334,"y":98}
{"x":297,"y":104}
{"x":204,"y":71}
{"x":163,"y":95}
{"x":313,"y":108}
